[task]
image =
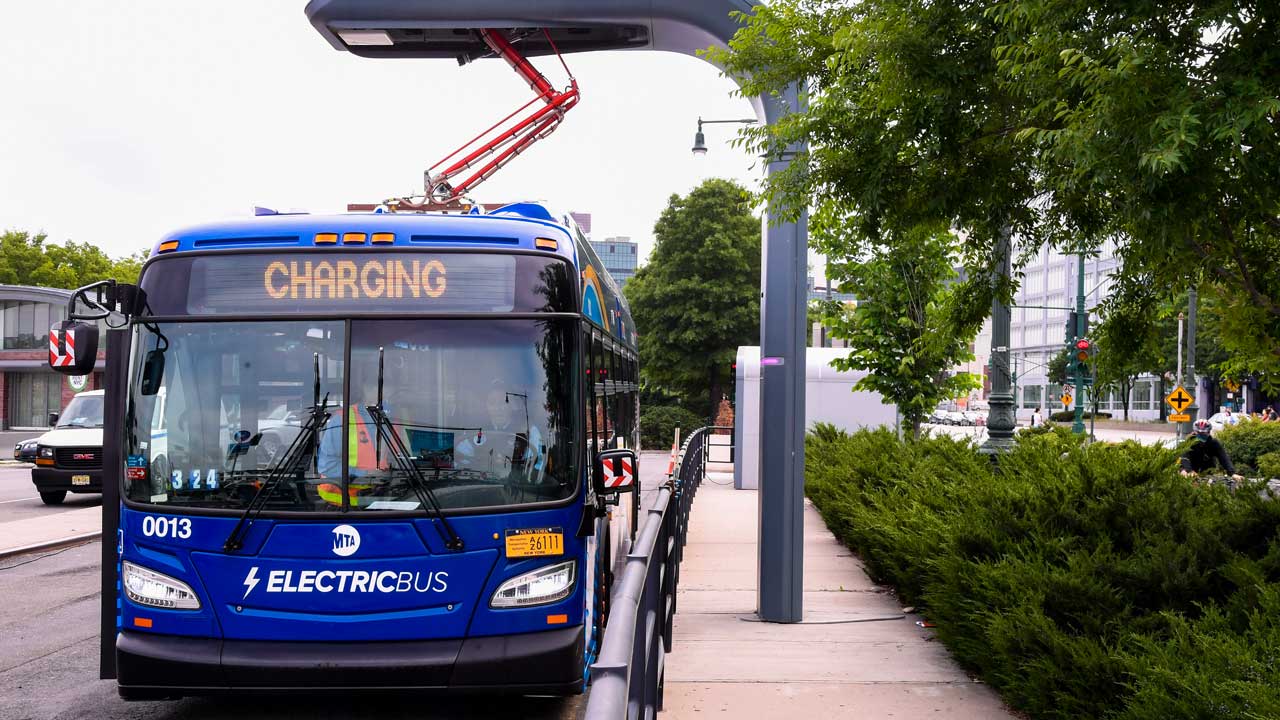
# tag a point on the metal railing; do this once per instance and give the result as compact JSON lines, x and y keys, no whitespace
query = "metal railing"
{"x":627,"y":678}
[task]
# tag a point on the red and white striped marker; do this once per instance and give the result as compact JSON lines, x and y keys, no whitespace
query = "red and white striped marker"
{"x":612,"y":478}
{"x":56,"y":358}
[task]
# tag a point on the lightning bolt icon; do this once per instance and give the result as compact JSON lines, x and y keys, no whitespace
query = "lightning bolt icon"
{"x":250,"y":581}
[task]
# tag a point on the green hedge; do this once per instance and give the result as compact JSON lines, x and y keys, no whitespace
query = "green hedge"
{"x":1269,"y":465}
{"x":1070,"y":415}
{"x":658,"y":424}
{"x":1249,"y":440}
{"x":1079,"y":581}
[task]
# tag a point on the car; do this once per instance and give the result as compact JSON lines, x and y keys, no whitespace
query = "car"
{"x":25,"y":451}
{"x":1223,"y":419}
{"x":955,"y":417}
{"x":69,"y":457}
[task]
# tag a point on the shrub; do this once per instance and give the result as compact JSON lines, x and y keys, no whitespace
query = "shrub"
{"x":658,"y":424}
{"x":1070,"y":416}
{"x":1249,"y":440}
{"x":1269,"y":465}
{"x":1078,"y":580}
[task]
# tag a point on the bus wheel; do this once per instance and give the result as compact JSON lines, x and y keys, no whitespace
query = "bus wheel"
{"x":53,"y":497}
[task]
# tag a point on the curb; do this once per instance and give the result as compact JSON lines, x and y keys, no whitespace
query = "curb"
{"x":50,"y":544}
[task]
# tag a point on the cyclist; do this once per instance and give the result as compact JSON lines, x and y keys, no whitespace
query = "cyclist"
{"x":1205,"y":452}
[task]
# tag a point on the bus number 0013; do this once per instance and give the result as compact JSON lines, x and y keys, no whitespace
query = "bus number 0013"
{"x":179,"y":528}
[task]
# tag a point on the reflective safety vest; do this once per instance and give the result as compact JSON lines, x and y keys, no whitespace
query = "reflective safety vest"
{"x":362,"y":449}
{"x":362,"y":452}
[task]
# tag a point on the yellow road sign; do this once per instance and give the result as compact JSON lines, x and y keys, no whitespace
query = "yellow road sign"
{"x":1232,"y":386}
{"x":1180,"y":417}
{"x":1179,"y":399}
{"x":1066,"y":400}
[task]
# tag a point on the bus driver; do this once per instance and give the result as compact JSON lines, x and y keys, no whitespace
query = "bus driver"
{"x":509,"y":443}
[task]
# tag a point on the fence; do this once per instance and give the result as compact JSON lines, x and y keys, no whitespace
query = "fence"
{"x":627,"y":678}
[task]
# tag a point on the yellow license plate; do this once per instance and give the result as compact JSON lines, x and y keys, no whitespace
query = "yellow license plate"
{"x":535,"y":542}
{"x":79,"y":479}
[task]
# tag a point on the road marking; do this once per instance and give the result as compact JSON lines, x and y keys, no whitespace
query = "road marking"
{"x":33,"y":497}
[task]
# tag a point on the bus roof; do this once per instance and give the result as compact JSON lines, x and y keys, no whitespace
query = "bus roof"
{"x":513,"y":226}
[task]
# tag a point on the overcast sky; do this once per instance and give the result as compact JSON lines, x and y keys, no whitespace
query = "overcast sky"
{"x":120,"y":121}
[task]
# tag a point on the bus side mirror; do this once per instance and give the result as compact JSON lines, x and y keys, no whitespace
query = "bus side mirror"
{"x":152,"y":373}
{"x":73,"y":347}
{"x":615,"y":472}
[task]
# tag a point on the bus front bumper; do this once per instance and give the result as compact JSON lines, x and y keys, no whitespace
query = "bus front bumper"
{"x":158,"y":666}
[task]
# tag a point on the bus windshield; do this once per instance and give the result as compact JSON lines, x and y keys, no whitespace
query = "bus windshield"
{"x":477,"y":410}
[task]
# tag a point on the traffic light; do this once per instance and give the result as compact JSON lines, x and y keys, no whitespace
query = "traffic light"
{"x":1082,"y":355}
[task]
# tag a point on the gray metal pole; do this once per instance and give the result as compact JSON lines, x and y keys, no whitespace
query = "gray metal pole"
{"x":1077,"y":426}
{"x":1193,"y":302}
{"x":782,"y":418}
{"x":1000,"y":414}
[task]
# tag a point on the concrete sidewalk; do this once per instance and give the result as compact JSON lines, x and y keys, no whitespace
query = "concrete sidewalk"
{"x":19,"y":536}
{"x":830,"y":666}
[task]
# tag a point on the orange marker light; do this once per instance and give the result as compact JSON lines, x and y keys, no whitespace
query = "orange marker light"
{"x":142,"y":622}
{"x":169,"y":245}
{"x":326,"y":238}
{"x":557,"y":619}
{"x":382,"y":238}
{"x":545,"y":244}
{"x":353,"y":238}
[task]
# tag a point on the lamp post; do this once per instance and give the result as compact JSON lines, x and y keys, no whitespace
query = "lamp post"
{"x":700,"y":140}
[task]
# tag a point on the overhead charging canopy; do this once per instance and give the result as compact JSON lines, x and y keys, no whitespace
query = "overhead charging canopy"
{"x":448,"y":29}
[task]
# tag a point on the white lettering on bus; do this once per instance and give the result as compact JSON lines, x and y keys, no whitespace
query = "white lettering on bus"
{"x":385,"y":581}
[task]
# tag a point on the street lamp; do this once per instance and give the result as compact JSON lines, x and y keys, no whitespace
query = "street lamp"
{"x":700,"y":140}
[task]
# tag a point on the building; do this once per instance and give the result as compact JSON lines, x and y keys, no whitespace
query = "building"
{"x":29,"y":389}
{"x":619,"y":255}
{"x":584,"y":221}
{"x":1038,"y":330}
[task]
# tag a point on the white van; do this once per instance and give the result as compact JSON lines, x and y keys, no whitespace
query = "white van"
{"x":69,"y":457}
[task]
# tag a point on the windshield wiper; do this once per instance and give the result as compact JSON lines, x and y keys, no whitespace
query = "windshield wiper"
{"x":388,"y":435}
{"x":288,"y":463}
{"x":427,"y":498}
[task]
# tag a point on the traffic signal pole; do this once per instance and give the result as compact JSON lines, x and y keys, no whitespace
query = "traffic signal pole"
{"x":1077,"y":427}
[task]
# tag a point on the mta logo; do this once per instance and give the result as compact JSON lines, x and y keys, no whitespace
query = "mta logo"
{"x":346,"y":541}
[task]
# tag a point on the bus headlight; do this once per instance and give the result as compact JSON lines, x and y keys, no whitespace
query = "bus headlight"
{"x":150,"y":588}
{"x":537,"y":587}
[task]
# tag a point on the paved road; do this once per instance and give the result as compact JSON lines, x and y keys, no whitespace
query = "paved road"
{"x":49,"y":651}
{"x":18,"y":497}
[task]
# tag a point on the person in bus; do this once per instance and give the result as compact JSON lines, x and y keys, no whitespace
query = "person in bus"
{"x":504,"y":445}
{"x":365,"y":455}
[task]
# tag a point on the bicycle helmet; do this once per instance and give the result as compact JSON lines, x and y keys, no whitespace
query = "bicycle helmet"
{"x":1202,"y":427}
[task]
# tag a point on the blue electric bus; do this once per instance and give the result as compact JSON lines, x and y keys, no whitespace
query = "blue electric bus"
{"x":365,"y":451}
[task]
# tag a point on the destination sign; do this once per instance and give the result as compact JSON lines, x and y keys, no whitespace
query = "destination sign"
{"x":370,"y":278}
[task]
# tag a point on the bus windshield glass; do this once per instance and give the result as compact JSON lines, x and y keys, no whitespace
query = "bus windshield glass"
{"x":476,"y":410}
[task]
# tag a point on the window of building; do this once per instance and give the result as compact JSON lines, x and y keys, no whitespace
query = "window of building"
{"x":1142,"y":395}
{"x":1031,"y":396}
{"x":31,"y":396}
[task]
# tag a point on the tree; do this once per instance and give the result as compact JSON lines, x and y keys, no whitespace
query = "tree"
{"x":698,"y":298}
{"x":1071,"y":122}
{"x":911,"y":323}
{"x":27,"y":259}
